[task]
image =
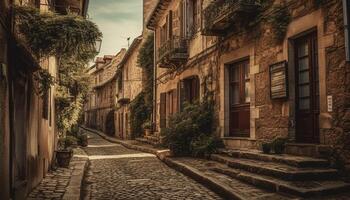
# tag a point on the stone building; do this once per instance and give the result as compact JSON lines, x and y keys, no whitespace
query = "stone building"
{"x":129,"y":85}
{"x":287,"y":76}
{"x":99,"y":109}
{"x":27,"y":120}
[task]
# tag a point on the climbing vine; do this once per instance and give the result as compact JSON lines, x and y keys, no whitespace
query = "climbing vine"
{"x":45,"y":80}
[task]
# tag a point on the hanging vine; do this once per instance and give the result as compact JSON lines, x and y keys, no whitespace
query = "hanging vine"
{"x":51,"y":34}
{"x":45,"y":80}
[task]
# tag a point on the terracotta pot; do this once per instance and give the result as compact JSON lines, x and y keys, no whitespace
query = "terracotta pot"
{"x":63,"y":157}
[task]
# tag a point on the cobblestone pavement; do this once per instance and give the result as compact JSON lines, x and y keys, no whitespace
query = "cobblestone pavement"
{"x":116,"y":172}
{"x":53,"y":186}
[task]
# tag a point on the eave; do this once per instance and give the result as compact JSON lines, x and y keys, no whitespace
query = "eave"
{"x":158,"y":11}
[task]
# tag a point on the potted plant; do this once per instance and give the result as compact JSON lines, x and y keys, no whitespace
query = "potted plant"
{"x":279,"y":145}
{"x":65,"y":152}
{"x":83,"y":139}
{"x":266,"y":147}
{"x":147,"y":127}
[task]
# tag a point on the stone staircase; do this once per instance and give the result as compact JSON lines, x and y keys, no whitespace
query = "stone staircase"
{"x":151,"y":139}
{"x":284,"y":174}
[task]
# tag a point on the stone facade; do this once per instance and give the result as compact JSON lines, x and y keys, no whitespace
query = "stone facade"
{"x":27,"y":120}
{"x":99,"y":109}
{"x":129,"y":85}
{"x":210,"y":57}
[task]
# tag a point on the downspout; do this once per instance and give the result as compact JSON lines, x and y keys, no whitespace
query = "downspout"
{"x":154,"y":118}
{"x":346,"y":5}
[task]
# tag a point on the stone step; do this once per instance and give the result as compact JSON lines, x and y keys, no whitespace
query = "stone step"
{"x":225,"y":185}
{"x":298,"y":188}
{"x":282,"y":171}
{"x":145,"y":141}
{"x":296,"y":161}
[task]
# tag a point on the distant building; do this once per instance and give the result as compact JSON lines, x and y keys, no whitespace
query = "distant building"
{"x":99,"y":108}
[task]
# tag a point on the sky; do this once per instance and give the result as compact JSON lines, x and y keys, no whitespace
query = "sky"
{"x":117,"y":20}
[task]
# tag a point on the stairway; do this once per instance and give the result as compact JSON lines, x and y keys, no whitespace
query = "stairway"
{"x":152,"y":140}
{"x":285,"y":174}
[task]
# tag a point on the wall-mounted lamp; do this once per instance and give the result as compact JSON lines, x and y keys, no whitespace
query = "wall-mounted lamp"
{"x":98,"y":45}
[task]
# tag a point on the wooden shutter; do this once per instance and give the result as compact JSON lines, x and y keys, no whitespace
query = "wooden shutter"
{"x":162,"y":110}
{"x":182,"y":19}
{"x":181,"y":94}
{"x":175,"y":101}
{"x":195,"y":88}
{"x":189,"y":16}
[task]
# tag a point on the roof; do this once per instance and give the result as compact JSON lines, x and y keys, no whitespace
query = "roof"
{"x":157,"y":12}
{"x":131,"y":49}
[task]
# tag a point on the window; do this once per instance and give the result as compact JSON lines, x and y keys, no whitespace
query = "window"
{"x":196,"y":18}
{"x":45,"y":103}
{"x":190,"y":89}
{"x":239,"y":83}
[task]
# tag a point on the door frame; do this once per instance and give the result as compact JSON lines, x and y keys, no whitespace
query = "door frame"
{"x":314,"y":97}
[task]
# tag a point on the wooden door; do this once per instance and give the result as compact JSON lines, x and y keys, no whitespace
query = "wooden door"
{"x":239,"y":89}
{"x":307,"y":89}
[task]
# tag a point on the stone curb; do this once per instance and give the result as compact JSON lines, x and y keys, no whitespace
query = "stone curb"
{"x":79,"y":164}
{"x":164,"y":156}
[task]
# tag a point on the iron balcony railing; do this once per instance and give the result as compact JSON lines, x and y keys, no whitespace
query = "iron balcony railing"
{"x":220,"y":14}
{"x":173,"y":50}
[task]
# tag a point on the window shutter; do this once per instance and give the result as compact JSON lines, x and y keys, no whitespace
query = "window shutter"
{"x":196,"y":88}
{"x":170,"y":24}
{"x":175,"y":101}
{"x":181,"y":94}
{"x":189,"y":17}
{"x":182,"y":19}
{"x":162,"y":110}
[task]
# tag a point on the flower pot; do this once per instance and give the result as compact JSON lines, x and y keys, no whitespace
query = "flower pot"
{"x":63,"y":157}
{"x":266,"y":147}
{"x":83,"y":140}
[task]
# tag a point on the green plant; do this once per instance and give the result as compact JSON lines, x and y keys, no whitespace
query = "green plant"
{"x":51,"y":34}
{"x":45,"y":80}
{"x":280,"y":20}
{"x":266,"y":147}
{"x":278,"y":145}
{"x":65,"y":143}
{"x":83,"y":139}
{"x":139,"y":114}
{"x":187,"y":128}
{"x":206,"y":145}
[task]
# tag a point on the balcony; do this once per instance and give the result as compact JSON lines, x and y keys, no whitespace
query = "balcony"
{"x":65,"y":6}
{"x":173,"y":52}
{"x":223,"y":16}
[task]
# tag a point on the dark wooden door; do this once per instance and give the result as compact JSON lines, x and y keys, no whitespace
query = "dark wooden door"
{"x":307,"y":89}
{"x":239,"y":90}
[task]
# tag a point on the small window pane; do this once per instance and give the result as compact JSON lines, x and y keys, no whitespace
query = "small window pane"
{"x":303,"y":50}
{"x":246,"y":71}
{"x":303,"y":64}
{"x":234,"y":94}
{"x":304,"y":104}
{"x":304,"y":77}
{"x":235,"y":74}
{"x":304,"y":91}
{"x":247,"y":92}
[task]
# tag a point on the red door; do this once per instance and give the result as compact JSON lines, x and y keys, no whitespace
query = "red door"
{"x":239,"y":99}
{"x":307,"y":89}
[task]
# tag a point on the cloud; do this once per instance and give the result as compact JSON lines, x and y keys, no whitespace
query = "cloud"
{"x":117,"y":19}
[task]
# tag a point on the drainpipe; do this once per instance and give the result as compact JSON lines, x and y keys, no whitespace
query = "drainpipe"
{"x":346,"y":5}
{"x":154,"y":118}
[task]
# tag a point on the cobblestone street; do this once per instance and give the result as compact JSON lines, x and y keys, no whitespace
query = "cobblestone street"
{"x":116,"y":172}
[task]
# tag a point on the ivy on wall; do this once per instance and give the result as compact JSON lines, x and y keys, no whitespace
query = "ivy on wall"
{"x":280,"y":20}
{"x":45,"y":80}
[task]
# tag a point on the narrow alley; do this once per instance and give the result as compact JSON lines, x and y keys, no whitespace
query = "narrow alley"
{"x":116,"y":172}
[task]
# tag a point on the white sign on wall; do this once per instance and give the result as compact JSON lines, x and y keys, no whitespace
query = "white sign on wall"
{"x":329,"y":103}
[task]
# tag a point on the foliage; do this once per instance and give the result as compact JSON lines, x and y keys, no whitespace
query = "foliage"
{"x":147,"y":125}
{"x":191,"y":130}
{"x":51,"y":34}
{"x":280,"y":20}
{"x":146,"y":61}
{"x":278,"y":145}
{"x":45,"y":80}
{"x":266,"y":147}
{"x":340,"y":153}
{"x":67,"y":142}
{"x":139,"y":114}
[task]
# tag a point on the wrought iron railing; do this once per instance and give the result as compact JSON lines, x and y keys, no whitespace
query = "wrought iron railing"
{"x":172,"y":47}
{"x":220,"y":9}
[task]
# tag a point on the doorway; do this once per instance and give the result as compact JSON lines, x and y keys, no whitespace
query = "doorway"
{"x":307,"y":89}
{"x":239,"y":99}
